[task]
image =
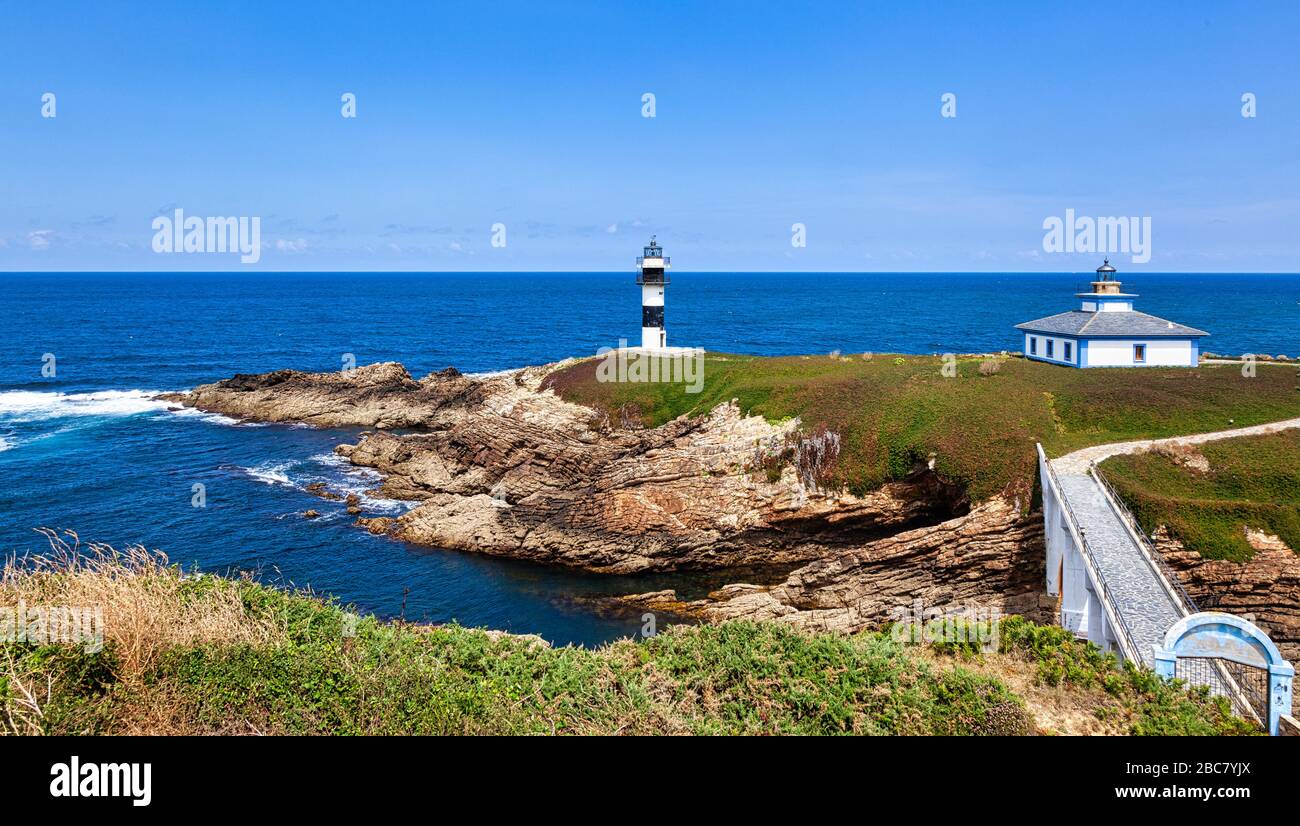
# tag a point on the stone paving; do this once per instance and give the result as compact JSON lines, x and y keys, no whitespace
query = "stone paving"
{"x":1137,"y":591}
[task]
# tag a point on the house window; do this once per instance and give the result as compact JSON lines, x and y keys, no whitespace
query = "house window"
{"x":1068,"y":349}
{"x":1139,"y":353}
{"x":1033,"y":345}
{"x":1051,"y":348}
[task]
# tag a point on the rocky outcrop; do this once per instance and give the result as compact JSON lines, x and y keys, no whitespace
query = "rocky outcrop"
{"x":500,"y":466}
{"x":379,"y":395}
{"x":1266,"y":587}
{"x":991,"y":558}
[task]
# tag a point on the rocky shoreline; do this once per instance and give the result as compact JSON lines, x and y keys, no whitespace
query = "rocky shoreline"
{"x":502,"y":466}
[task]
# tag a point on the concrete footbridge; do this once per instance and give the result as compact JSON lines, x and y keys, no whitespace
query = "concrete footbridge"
{"x":1112,"y":590}
{"x":1115,"y":590}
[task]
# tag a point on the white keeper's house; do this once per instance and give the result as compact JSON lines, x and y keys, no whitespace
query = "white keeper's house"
{"x":1107,"y":332}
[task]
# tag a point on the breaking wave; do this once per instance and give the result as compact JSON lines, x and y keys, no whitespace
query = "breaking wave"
{"x":35,"y":406}
{"x":336,"y":473}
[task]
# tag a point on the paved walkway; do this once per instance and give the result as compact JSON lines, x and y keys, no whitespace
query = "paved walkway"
{"x":1078,"y":461}
{"x":1138,"y":592}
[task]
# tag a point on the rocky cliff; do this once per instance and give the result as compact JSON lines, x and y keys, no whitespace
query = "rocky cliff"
{"x":991,"y":558}
{"x":1266,"y":587}
{"x":501,"y":466}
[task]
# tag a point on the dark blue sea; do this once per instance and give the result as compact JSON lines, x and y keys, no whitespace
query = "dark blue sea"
{"x":88,"y":450}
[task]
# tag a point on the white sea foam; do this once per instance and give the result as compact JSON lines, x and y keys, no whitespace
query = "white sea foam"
{"x":5,"y":444}
{"x":34,"y":406}
{"x":271,"y":473}
{"x":492,"y":374}
{"x":352,"y":479}
{"x":340,"y":477}
{"x":25,"y":406}
{"x":212,"y":418}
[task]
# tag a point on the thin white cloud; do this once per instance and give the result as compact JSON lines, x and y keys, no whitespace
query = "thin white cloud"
{"x":40,"y":239}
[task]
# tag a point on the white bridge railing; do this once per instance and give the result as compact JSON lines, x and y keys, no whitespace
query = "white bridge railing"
{"x":1123,"y":634}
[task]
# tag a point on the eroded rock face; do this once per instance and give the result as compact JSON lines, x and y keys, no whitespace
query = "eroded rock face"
{"x":500,"y":466}
{"x":992,"y":557}
{"x":379,"y":395}
{"x":1267,"y":586}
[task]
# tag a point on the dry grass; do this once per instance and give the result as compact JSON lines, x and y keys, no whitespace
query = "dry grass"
{"x":1064,"y":710}
{"x":206,"y":655}
{"x":145,"y":606}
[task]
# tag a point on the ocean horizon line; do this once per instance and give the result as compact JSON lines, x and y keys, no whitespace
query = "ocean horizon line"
{"x":1016,"y":273}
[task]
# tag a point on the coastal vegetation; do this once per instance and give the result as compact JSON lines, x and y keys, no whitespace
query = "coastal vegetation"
{"x":1210,"y":495}
{"x":187,"y":653}
{"x":978,"y":423}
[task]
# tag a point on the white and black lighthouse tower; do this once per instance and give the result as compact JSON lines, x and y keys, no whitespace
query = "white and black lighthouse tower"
{"x":652,"y":275}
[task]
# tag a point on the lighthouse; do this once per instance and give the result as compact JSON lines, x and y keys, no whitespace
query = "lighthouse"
{"x":652,"y":275}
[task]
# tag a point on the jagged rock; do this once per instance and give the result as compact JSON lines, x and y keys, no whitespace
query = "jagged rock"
{"x":378,"y":525}
{"x":665,"y":601}
{"x":379,"y":395}
{"x":1266,"y":587}
{"x":992,"y":557}
{"x":319,"y":489}
{"x":310,"y":514}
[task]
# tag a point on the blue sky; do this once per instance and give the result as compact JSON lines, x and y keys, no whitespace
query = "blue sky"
{"x":530,"y":115}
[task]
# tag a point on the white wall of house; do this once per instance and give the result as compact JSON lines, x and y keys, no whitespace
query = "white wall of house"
{"x":1159,"y":353}
{"x":1058,"y":348}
